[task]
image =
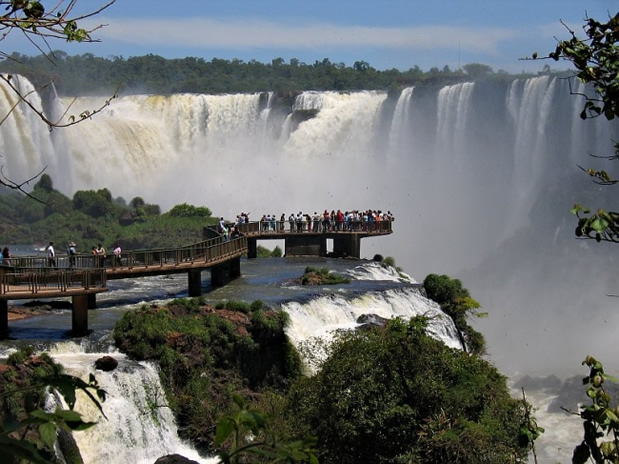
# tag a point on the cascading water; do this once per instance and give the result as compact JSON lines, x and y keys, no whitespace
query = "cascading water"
{"x":479,"y":177}
{"x":138,"y":426}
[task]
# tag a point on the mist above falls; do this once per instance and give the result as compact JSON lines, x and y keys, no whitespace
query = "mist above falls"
{"x":480,"y":178}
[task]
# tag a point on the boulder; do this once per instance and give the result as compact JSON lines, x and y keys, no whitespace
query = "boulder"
{"x":175,"y":459}
{"x":106,"y":364}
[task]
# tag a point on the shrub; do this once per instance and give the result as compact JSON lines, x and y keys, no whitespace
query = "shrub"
{"x":397,"y":395}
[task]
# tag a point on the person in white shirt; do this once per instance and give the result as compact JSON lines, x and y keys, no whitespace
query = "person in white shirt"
{"x":51,"y":255}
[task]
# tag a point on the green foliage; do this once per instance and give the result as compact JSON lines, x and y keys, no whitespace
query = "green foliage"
{"x":322,"y":276}
{"x":247,"y":432}
{"x":94,"y":204}
{"x":396,"y":395}
{"x":206,"y":353}
{"x":185,"y":210}
{"x":153,"y":74}
{"x":389,"y":261}
{"x":456,"y":302}
{"x":28,"y":430}
{"x":263,"y":252}
{"x":45,"y":183}
{"x":596,"y":61}
{"x":93,"y":217}
{"x":601,"y":419}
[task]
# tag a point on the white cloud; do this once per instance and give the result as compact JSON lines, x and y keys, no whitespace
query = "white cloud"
{"x":256,"y":34}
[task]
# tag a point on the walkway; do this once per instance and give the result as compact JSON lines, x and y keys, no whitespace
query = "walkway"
{"x":29,"y":277}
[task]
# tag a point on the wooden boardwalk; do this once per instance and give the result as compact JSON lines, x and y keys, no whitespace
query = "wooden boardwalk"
{"x":83,"y":276}
{"x":81,"y":279}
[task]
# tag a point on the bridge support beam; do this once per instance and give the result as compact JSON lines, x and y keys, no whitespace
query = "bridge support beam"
{"x":235,"y":267}
{"x":92,"y":301}
{"x":79,"y":315}
{"x":306,"y":245}
{"x":349,"y":246}
{"x":252,"y":248}
{"x":223,"y":273}
{"x":4,"y":319}
{"x":219,"y":275}
{"x":194,"y":281}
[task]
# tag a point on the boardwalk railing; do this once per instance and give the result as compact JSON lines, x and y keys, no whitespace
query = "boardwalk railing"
{"x":317,"y":227}
{"x":205,"y":251}
{"x":34,"y":280}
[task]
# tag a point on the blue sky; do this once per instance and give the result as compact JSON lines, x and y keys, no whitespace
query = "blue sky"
{"x":386,"y":34}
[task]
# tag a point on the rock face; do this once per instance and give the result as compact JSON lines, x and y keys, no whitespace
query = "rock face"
{"x":174,"y":459}
{"x":371,"y":320}
{"x":106,"y":364}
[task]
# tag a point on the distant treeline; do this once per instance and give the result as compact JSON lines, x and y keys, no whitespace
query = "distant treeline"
{"x":88,"y":74}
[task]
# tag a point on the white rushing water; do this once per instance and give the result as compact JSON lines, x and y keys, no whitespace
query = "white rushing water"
{"x":138,"y":426}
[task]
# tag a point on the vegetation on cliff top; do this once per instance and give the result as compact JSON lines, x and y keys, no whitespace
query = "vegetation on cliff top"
{"x":207,"y":353}
{"x":322,"y":276}
{"x":93,"y":217}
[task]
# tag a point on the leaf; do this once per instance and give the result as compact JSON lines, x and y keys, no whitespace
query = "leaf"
{"x":223,"y":430}
{"x":581,"y":454}
{"x":48,"y":434}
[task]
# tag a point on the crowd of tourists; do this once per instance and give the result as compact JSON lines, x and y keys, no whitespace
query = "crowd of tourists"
{"x":334,"y":221}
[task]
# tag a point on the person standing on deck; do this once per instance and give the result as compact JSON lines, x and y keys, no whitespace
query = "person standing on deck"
{"x":51,"y":256}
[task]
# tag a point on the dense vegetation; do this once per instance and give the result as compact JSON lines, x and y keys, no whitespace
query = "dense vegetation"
{"x":390,"y":394}
{"x":396,"y":395}
{"x":93,"y":217}
{"x":88,"y":74}
{"x":321,"y":276}
{"x":456,"y":301}
{"x":206,"y":354}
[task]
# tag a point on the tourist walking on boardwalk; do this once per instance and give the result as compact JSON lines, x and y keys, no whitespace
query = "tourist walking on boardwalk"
{"x":101,"y":255}
{"x":71,"y":252}
{"x":6,"y":256}
{"x":51,"y":256}
{"x":117,"y":256}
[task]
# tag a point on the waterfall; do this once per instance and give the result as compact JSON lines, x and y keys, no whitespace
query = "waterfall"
{"x":313,"y":324}
{"x":465,"y":169}
{"x":140,"y":426}
{"x":401,"y":122}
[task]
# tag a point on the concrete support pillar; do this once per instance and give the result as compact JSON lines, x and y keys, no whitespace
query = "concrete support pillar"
{"x":219,"y":275}
{"x":252,"y":248}
{"x":235,"y":267}
{"x":79,"y":316}
{"x":194,"y":281}
{"x":4,"y":319}
{"x":349,"y":246}
{"x":92,"y":301}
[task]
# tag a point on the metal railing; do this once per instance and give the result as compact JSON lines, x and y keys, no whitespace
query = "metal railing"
{"x":205,"y":251}
{"x":317,"y":227}
{"x":36,"y":280}
{"x":33,"y":274}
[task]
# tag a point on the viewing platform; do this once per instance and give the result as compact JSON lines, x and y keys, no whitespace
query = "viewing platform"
{"x":311,"y":239}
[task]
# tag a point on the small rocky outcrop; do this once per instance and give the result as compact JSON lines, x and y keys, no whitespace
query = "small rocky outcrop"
{"x":530,"y":383}
{"x":106,"y":364}
{"x":371,"y":320}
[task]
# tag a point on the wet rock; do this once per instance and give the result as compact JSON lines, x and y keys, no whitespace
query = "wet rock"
{"x":106,"y":364}
{"x":175,"y":459}
{"x":371,"y":320}
{"x":573,"y":393}
{"x":539,"y":383}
